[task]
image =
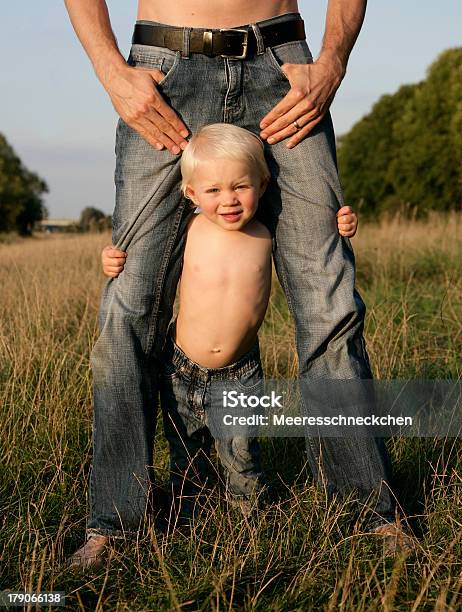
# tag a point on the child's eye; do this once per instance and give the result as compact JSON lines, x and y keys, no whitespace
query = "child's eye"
{"x":242,"y":187}
{"x":212,"y":190}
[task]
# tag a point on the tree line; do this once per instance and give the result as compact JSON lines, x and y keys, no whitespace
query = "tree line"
{"x":408,"y":149}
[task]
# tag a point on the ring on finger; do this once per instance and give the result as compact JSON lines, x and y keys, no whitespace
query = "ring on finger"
{"x":296,"y":125}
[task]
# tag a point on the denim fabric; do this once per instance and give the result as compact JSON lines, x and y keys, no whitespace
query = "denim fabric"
{"x":186,"y":409}
{"x":315,"y":266}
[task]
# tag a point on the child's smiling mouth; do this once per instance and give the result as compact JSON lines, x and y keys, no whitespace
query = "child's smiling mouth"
{"x":231,"y":216}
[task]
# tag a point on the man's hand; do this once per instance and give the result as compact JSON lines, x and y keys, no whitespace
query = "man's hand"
{"x":135,"y":97}
{"x":347,"y":221}
{"x":133,"y":91}
{"x":312,"y":89}
{"x":113,"y":261}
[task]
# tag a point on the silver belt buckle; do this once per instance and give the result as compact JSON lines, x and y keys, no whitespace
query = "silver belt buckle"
{"x":245,"y":42}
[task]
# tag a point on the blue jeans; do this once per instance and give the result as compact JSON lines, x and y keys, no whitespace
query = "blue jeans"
{"x":185,"y":397}
{"x":315,"y":266}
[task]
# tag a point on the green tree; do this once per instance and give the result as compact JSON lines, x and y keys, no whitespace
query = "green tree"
{"x":366,"y":152}
{"x":408,"y":149}
{"x":427,"y":164}
{"x":20,"y":193}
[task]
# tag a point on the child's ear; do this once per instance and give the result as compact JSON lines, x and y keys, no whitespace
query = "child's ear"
{"x":263,"y":186}
{"x":189,"y":193}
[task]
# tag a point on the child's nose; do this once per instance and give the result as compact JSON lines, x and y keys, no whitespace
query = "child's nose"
{"x":229,"y":198}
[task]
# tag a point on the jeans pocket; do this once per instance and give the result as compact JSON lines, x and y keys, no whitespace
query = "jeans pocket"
{"x":252,"y":380}
{"x":160,"y":58}
{"x":294,"y":52}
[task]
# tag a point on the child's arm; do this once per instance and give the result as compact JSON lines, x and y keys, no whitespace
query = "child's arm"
{"x":113,"y":261}
{"x":347,"y":221}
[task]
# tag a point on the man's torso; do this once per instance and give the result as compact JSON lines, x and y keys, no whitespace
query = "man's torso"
{"x":217,"y":14}
{"x":224,"y":291}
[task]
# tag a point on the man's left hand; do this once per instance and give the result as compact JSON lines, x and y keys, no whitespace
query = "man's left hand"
{"x":312,"y":89}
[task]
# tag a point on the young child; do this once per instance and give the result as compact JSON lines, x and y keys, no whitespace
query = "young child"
{"x":224,"y":291}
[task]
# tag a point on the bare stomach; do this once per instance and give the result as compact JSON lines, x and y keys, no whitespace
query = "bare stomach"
{"x":216,"y":333}
{"x":214,"y":350}
{"x":216,"y":14}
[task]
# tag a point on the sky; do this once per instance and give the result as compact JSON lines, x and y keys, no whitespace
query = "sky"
{"x":59,"y":120}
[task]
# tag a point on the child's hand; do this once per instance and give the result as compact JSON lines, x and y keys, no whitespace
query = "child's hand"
{"x":113,"y":261}
{"x":347,"y":221}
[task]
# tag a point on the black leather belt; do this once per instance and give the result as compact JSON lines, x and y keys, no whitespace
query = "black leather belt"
{"x":235,"y":43}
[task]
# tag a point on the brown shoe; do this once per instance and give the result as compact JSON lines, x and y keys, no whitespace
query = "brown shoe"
{"x":92,"y":555}
{"x":396,"y":540}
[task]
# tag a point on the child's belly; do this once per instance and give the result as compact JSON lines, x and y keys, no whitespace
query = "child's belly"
{"x":217,"y":327}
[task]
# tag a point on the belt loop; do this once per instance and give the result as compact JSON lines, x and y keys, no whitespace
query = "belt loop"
{"x":259,"y":38}
{"x":186,"y":42}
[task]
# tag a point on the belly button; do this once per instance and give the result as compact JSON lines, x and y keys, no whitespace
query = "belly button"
{"x":216,"y":350}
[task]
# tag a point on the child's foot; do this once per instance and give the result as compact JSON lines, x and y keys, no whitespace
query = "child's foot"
{"x":92,"y":555}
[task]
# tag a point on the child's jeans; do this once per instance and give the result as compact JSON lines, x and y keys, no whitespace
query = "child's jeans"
{"x":186,"y":407}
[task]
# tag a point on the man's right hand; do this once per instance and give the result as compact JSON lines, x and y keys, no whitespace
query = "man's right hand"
{"x":135,"y":97}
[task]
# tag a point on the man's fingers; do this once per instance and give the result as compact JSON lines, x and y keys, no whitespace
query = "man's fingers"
{"x":302,"y":112}
{"x":169,"y":114}
{"x":167,"y":111}
{"x":150,"y":132}
{"x":148,"y":127}
{"x":144,"y":129}
{"x":301,"y":134}
{"x":146,"y":111}
{"x":291,"y":130}
{"x":294,"y":96}
{"x":166,"y":131}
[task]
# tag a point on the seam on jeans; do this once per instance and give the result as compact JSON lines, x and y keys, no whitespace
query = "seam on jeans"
{"x":259,"y":39}
{"x":165,"y":263}
{"x":228,"y":78}
{"x":285,"y":285}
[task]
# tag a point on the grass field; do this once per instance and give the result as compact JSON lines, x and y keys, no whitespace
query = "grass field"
{"x":303,"y":554}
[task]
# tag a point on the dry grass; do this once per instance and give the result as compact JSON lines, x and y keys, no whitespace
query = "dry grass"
{"x":301,"y":555}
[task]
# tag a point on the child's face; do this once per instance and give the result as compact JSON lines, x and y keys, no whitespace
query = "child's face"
{"x":227,"y":192}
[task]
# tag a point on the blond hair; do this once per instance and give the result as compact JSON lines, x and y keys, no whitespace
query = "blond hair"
{"x":222,"y":141}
